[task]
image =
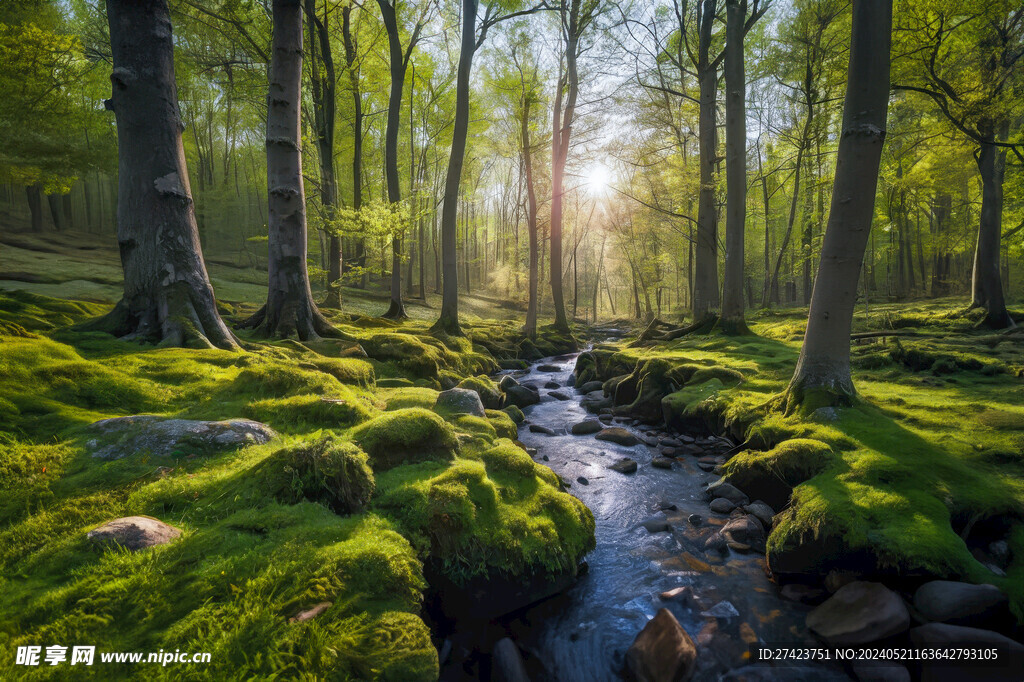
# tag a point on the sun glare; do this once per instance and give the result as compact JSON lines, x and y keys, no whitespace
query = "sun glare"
{"x":598,"y":179}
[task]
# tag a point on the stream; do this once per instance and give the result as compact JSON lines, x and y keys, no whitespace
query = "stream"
{"x":583,"y":634}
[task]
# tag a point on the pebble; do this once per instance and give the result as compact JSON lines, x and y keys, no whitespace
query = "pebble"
{"x":582,"y":480}
{"x":720,"y":505}
{"x":694,"y":519}
{"x":661,"y":463}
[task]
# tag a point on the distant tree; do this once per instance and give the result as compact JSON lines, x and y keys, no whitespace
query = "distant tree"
{"x":822,"y":375}
{"x":167,"y":294}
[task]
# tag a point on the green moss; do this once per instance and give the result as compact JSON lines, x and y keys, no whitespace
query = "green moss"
{"x":347,"y":370}
{"x":726,"y":375}
{"x":406,"y":436}
{"x":401,"y":398}
{"x":321,"y":469}
{"x":344,"y":408}
{"x":485,"y":387}
{"x":514,"y":413}
{"x":771,"y":475}
{"x":503,"y":423}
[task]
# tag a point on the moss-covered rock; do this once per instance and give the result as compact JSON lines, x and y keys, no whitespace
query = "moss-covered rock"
{"x":485,"y":387}
{"x":321,"y":469}
{"x":503,"y":423}
{"x":406,"y":436}
{"x":345,"y":408}
{"x":772,"y":475}
{"x":347,"y":370}
{"x":515,"y":413}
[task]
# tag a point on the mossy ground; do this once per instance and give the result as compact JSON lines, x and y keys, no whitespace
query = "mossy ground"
{"x":268,"y":530}
{"x":931,"y":453}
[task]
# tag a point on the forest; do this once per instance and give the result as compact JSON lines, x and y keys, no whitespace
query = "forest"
{"x":657,"y":340}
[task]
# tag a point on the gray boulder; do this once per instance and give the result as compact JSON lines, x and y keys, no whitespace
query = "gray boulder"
{"x":662,"y":462}
{"x":618,"y":435}
{"x":762,"y":511}
{"x":521,"y":396}
{"x":624,"y":466}
{"x":586,"y":427}
{"x":590,"y":386}
{"x":721,"y":505}
{"x":745,"y":529}
{"x":134,"y":533}
{"x":559,"y":395}
{"x":859,"y":613}
{"x":460,"y":401}
{"x":663,"y":651}
{"x":946,"y":601}
{"x":730,"y":492}
{"x":161,"y":436}
{"x":507,"y":382}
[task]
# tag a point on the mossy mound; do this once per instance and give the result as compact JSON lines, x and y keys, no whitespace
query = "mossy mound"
{"x":514,"y":413}
{"x":411,"y":396}
{"x":347,"y":370}
{"x":772,"y":475}
{"x":344,"y":408}
{"x":503,"y":423}
{"x":321,"y":469}
{"x":490,"y":394}
{"x":406,"y":436}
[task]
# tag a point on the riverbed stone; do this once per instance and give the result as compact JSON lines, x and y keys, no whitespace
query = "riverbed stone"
{"x":590,"y":386}
{"x":803,"y":594}
{"x":549,"y":367}
{"x":460,"y":401}
{"x":153,"y":435}
{"x":662,"y":652}
{"x":721,"y":505}
{"x":521,"y":396}
{"x":721,"y":488}
{"x":507,"y":382}
{"x":662,"y":463}
{"x":134,"y":533}
{"x":859,"y":613}
{"x":761,"y":511}
{"x":715,"y":542}
{"x":656,"y":524}
{"x":745,"y":529}
{"x":586,"y":426}
{"x":559,"y":395}
{"x":538,"y":428}
{"x":957,"y":603}
{"x":552,"y":385}
{"x":626,"y":465}
{"x":944,"y":635}
{"x":618,"y":435}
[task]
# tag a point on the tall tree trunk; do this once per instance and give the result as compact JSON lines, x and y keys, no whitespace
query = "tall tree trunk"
{"x":289,"y":308}
{"x":705,"y":280}
{"x":53,"y":201}
{"x":448,"y":321}
{"x":530,"y":329}
{"x":324,"y":106}
{"x":357,"y":130}
{"x":774,"y":288}
{"x":34,"y":194}
{"x":822,"y":375}
{"x":986,"y":283}
{"x":735,"y":168}
{"x":167,"y":294}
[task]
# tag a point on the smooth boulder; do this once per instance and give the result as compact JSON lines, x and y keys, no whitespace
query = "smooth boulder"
{"x":624,"y":466}
{"x":521,"y":396}
{"x":721,"y":488}
{"x":662,"y":652}
{"x":618,"y":435}
{"x":858,"y":613}
{"x":134,"y":533}
{"x":586,"y":427}
{"x":947,"y":601}
{"x":161,"y":437}
{"x":590,"y":386}
{"x":460,"y":401}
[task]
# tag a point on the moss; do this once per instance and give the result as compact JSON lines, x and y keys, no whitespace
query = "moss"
{"x":506,"y":458}
{"x":485,"y":387}
{"x":726,"y":375}
{"x":321,"y":469}
{"x":515,"y":413}
{"x":280,"y":379}
{"x":771,"y":475}
{"x":347,"y":370}
{"x":406,"y":436}
{"x":503,"y":423}
{"x":400,"y":398}
{"x":343,"y":409}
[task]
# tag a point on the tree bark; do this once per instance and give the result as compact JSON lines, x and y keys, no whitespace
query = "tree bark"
{"x":289,"y":308}
{"x":34,"y":194}
{"x":986,"y":283}
{"x":530,"y":329}
{"x":732,"y":319}
{"x":448,"y":321}
{"x":705,"y":280}
{"x":822,"y":375}
{"x":167,"y":294}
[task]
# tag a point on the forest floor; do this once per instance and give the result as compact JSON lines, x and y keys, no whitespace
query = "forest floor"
{"x":923,"y":476}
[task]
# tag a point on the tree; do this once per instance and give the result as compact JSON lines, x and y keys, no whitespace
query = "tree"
{"x":964,"y":57}
{"x":399,"y":62}
{"x":167,"y":294}
{"x":289,"y":308}
{"x":822,"y":375}
{"x":705,"y":277}
{"x":736,"y":26}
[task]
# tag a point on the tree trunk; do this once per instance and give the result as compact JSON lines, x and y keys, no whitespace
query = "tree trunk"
{"x":732,"y":321}
{"x":34,"y":194}
{"x":448,"y":321}
{"x":822,"y":375}
{"x":705,"y":280}
{"x":357,"y":130}
{"x":53,"y":201}
{"x":167,"y":294}
{"x":986,"y":283}
{"x":289,"y":308}
{"x":530,"y":329}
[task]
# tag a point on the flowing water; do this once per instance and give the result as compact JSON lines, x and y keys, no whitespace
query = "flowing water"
{"x":584,"y":633}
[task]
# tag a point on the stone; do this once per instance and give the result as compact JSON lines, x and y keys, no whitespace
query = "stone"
{"x":680,"y":593}
{"x":582,"y":480}
{"x":507,"y":663}
{"x":824,"y":415}
{"x":507,"y":382}
{"x":149,"y":434}
{"x":670,"y":442}
{"x":537,"y":428}
{"x":560,"y":395}
{"x":460,"y":401}
{"x":605,"y":419}
{"x":664,"y":505}
{"x":722,"y":609}
{"x":552,"y":385}
{"x":590,"y":387}
{"x":134,"y":533}
{"x":761,"y":511}
{"x":586,"y":426}
{"x":705,"y":466}
{"x":715,"y":542}
{"x":662,"y":463}
{"x":957,"y":603}
{"x":618,"y":435}
{"x":720,"y":505}
{"x":803,"y":594}
{"x":859,"y":613}
{"x":745,"y":529}
{"x":549,"y":367}
{"x":656,"y":524}
{"x":836,"y":579}
{"x":687,"y":439}
{"x":721,"y":488}
{"x":738,"y":546}
{"x":310,"y":613}
{"x":662,"y":652}
{"x":624,"y":466}
{"x":945,"y":636}
{"x":668,"y":452}
{"x":521,"y":396}
{"x":694,"y":519}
